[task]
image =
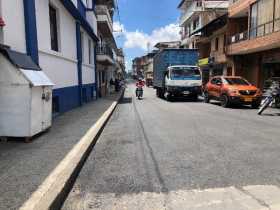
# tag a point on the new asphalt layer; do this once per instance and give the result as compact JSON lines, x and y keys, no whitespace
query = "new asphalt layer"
{"x":155,"y":154}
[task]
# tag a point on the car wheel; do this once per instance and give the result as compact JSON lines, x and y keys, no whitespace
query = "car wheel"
{"x":224,"y":101}
{"x":206,"y":97}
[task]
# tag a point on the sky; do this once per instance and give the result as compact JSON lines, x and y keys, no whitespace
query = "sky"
{"x":143,"y":23}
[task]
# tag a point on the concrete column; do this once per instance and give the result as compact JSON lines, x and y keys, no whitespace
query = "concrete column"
{"x":31,"y":30}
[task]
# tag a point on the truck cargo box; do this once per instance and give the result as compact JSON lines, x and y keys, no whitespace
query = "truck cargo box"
{"x":172,"y":57}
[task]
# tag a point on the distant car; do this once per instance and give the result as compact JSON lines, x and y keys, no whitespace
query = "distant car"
{"x":232,"y":90}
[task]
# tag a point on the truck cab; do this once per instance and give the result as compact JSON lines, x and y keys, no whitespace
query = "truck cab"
{"x":182,"y":80}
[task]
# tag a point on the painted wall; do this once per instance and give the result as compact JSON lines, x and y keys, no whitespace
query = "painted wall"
{"x":14,"y":31}
{"x":61,"y":67}
{"x":88,"y":69}
{"x":59,"y":64}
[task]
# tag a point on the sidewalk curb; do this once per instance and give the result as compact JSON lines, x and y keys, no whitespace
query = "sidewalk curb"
{"x":54,"y":190}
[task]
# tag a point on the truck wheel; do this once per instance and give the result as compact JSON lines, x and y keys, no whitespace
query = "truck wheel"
{"x":161,"y":93}
{"x":224,"y":101}
{"x":158,"y":92}
{"x":167,"y":96}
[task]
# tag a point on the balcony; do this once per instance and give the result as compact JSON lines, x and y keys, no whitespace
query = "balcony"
{"x":238,"y":37}
{"x":239,"y":8}
{"x":105,"y":55}
{"x":104,"y":20}
{"x":245,"y":43}
{"x":190,"y":12}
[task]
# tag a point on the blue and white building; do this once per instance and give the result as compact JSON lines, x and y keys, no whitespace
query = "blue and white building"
{"x":61,"y":37}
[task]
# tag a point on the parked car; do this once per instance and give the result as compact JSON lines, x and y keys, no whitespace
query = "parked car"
{"x":232,"y":90}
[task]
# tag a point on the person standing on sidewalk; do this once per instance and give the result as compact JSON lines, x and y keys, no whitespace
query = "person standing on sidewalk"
{"x":112,"y":83}
{"x":117,"y":83}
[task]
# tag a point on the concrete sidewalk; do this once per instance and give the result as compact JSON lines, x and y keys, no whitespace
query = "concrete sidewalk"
{"x":23,"y":167}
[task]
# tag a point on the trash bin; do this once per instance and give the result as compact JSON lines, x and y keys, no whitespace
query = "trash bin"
{"x":25,"y":96}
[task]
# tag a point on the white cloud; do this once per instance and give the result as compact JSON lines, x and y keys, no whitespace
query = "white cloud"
{"x":139,"y":39}
{"x":118,"y":28}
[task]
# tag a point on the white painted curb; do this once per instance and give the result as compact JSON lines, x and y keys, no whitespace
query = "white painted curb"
{"x":48,"y":192}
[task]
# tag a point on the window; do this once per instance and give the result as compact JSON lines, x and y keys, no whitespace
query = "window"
{"x":217,"y":44}
{"x":261,"y":22}
{"x":195,"y":24}
{"x":189,"y":29}
{"x":253,"y":22}
{"x":277,"y":16}
{"x":89,"y":52}
{"x":265,"y":17}
{"x":236,"y":81}
{"x":53,"y":28}
{"x":186,"y":31}
{"x":103,"y":76}
{"x":199,"y":3}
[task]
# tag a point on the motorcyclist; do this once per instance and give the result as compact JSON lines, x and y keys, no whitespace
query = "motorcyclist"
{"x":140,"y":84}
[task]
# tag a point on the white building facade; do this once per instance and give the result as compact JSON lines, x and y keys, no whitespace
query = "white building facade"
{"x":107,"y":49}
{"x":197,"y":13}
{"x":59,"y":36}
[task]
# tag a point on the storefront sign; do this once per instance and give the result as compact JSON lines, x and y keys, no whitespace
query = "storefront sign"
{"x":203,"y":61}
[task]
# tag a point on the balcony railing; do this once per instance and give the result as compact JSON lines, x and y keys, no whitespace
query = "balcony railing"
{"x":103,"y":10}
{"x":104,"y":49}
{"x":259,"y":31}
{"x":264,"y":29}
{"x":189,"y":12}
{"x":238,"y":37}
{"x":103,"y":14}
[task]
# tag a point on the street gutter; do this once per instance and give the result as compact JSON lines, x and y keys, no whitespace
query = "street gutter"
{"x":52,"y":193}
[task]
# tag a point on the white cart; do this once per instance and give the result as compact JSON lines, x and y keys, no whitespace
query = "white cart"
{"x":25,"y":96}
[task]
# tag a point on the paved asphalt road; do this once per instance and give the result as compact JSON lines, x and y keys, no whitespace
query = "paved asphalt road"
{"x":154,"y":154}
{"x":23,"y":167}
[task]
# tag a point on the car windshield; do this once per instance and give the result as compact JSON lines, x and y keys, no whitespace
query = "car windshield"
{"x":236,"y":81}
{"x":184,"y":72}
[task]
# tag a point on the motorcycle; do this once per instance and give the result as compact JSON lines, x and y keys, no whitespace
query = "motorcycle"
{"x":273,"y":99}
{"x":139,"y":92}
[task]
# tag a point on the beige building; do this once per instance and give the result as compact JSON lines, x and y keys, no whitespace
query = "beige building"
{"x":196,"y":14}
